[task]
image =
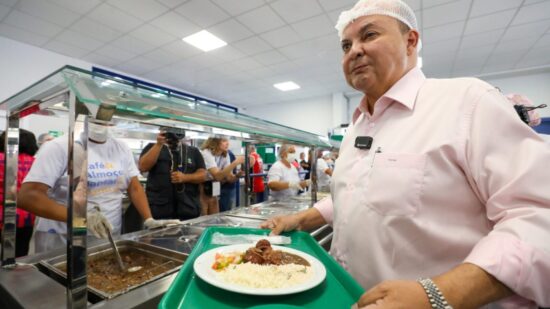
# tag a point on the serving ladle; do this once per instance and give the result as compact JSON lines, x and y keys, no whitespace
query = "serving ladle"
{"x":118,"y":257}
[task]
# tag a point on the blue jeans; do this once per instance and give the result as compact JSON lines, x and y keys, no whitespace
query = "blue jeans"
{"x":227,"y":197}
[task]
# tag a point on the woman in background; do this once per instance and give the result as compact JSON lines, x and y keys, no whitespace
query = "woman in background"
{"x":25,"y":219}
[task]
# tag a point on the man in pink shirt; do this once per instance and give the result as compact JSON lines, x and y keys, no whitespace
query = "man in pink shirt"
{"x":454,"y":187}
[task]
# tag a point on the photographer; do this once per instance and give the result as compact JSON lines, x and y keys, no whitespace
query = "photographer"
{"x":175,"y":172}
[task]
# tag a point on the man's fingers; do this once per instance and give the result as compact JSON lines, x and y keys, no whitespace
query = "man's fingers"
{"x":371,"y":297}
{"x":278,"y":228}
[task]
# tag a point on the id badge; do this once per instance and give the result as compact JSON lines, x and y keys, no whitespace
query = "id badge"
{"x":216,"y":188}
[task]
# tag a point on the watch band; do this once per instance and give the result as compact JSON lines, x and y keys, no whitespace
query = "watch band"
{"x":436,"y":298}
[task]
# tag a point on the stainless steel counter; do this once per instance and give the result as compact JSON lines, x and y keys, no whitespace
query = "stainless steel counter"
{"x":29,"y":287}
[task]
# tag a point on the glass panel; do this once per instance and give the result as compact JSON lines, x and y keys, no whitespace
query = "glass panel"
{"x":158,"y":107}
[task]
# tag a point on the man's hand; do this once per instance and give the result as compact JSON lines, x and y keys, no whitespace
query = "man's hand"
{"x":239,"y":159}
{"x":161,"y":138}
{"x":281,"y":224}
{"x":178,"y":177}
{"x":152,"y":223}
{"x":395,"y":295}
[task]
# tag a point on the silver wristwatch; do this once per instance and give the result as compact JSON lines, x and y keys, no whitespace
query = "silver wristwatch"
{"x":436,"y":298}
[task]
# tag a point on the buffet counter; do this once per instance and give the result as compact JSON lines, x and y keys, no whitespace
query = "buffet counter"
{"x":37,"y":281}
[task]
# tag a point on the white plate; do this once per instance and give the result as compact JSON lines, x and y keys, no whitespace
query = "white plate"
{"x":203,"y":269}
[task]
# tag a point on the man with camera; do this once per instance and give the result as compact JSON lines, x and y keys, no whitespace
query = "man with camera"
{"x":175,"y":172}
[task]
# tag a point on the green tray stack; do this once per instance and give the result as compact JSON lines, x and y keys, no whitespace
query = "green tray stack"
{"x":338,"y":290}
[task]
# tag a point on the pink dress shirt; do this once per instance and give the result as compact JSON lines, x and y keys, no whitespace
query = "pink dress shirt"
{"x":453,"y":176}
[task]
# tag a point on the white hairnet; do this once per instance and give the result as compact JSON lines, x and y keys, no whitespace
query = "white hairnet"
{"x":392,"y":8}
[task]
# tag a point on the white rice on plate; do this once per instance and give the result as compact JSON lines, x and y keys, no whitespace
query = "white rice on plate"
{"x":266,"y":276}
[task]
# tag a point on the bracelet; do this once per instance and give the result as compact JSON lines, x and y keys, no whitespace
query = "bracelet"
{"x":436,"y":298}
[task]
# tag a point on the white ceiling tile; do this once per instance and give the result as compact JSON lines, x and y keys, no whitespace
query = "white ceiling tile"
{"x":31,"y":24}
{"x":172,"y":3}
{"x":161,"y":56}
{"x":246,"y":64}
{"x":252,"y":45}
{"x":230,"y":31}
{"x":202,"y":12}
{"x":115,"y":53}
{"x":532,"y":13}
{"x":528,"y":2}
{"x":477,"y":52}
{"x":237,"y":7}
{"x":4,"y":11}
{"x":79,"y":40}
{"x":270,"y":58}
{"x":261,"y":19}
{"x":132,"y":44}
{"x":446,"y":13}
{"x":95,"y":30}
{"x":314,"y":27}
{"x":66,"y":49}
{"x":498,"y":20}
{"x":431,"y":3}
{"x":296,"y":51}
{"x":144,"y":10}
{"x":115,"y":18}
{"x":535,"y":57}
{"x":48,"y":11}
{"x":414,"y":4}
{"x":181,"y":49}
{"x":531,"y":29}
{"x":78,"y":6}
{"x":441,"y":47}
{"x":333,"y":15}
{"x":442,"y":33}
{"x":227,"y":53}
{"x":523,"y":44}
{"x":102,"y":60}
{"x":544,"y":41}
{"x":8,"y":2}
{"x":483,"y":7}
{"x":479,"y":39}
{"x":21,"y":35}
{"x":175,"y":25}
{"x":341,"y":5}
{"x":292,"y":11}
{"x":206,"y":60}
{"x":139,"y":64}
{"x":281,"y":37}
{"x":152,"y":35}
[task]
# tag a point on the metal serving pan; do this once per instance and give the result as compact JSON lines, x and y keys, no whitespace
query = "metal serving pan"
{"x":169,"y":259}
{"x":221,"y":220}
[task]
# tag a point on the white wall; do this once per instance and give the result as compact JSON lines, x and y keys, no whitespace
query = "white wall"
{"x":535,"y":86}
{"x":313,"y":115}
{"x":23,"y":65}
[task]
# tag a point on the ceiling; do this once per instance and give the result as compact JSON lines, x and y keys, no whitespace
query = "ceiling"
{"x":271,"y":41}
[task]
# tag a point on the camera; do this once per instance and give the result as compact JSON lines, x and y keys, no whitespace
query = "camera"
{"x":173,"y":136}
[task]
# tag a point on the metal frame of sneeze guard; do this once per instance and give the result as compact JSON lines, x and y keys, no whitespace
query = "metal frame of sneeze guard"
{"x":82,"y":94}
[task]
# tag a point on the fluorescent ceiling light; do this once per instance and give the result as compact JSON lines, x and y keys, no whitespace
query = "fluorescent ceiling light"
{"x":204,"y":40}
{"x":286,"y":86}
{"x":158,"y":95}
{"x":419,"y":62}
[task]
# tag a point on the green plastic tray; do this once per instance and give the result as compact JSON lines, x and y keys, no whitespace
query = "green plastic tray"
{"x":338,"y":290}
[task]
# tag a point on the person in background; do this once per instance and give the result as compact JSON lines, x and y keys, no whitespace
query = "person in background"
{"x":109,"y":170}
{"x":228,"y":187}
{"x":305,"y":165}
{"x":324,"y":172}
{"x":175,"y":171}
{"x":453,"y":189}
{"x":283,"y":179}
{"x":257,"y":167}
{"x":43,"y":138}
{"x":215,"y":153}
{"x":24,"y":220}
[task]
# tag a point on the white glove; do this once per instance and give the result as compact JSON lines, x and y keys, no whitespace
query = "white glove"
{"x":152,"y":223}
{"x":294,"y":185}
{"x":98,"y":224}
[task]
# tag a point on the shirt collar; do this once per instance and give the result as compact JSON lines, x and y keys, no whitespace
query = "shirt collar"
{"x":404,"y":91}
